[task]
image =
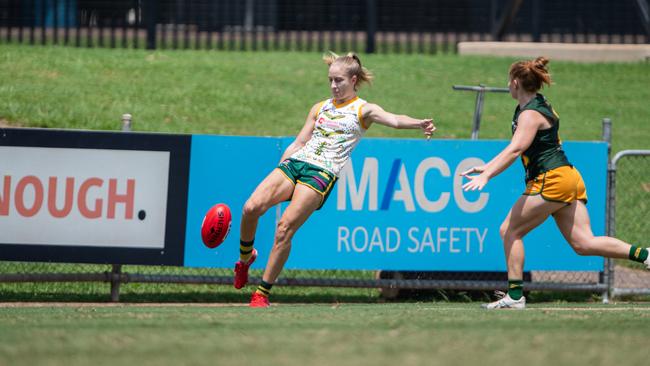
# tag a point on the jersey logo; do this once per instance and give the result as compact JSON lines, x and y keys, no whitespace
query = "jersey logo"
{"x":333,"y":116}
{"x":319,"y":149}
{"x":328,"y":133}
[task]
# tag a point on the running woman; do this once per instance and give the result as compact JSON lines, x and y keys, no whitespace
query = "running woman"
{"x":310,"y":166}
{"x":554,"y":187}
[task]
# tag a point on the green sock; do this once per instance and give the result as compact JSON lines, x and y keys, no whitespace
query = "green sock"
{"x":638,"y":254}
{"x":264,"y":289}
{"x":516,"y":289}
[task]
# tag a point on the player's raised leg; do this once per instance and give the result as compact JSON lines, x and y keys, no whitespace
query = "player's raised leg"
{"x":304,"y":202}
{"x":274,"y":189}
{"x":526,"y":214}
{"x":573,"y":221}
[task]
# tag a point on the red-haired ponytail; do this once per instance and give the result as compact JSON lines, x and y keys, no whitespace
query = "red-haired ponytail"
{"x":532,"y":74}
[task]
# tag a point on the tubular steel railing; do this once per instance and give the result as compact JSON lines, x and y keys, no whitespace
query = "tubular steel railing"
{"x":632,"y":210}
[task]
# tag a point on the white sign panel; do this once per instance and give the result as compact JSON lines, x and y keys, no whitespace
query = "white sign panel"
{"x":83,"y":197}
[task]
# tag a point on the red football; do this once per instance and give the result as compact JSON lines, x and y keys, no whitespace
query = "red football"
{"x":216,"y":225}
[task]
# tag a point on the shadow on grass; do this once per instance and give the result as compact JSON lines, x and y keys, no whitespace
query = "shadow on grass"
{"x":173,"y":293}
{"x":188,"y":297}
{"x":288,"y":297}
{"x":487,"y":296}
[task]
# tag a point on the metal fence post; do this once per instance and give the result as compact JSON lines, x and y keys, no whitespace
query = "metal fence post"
{"x":644,"y":289}
{"x":608,"y":275}
{"x":116,"y":270}
{"x":126,"y":122}
{"x":478,"y":112}
{"x":151,"y":17}
{"x":644,"y":14}
{"x":480,"y":90}
{"x":116,"y":273}
{"x":537,"y":36}
{"x":371,"y":28}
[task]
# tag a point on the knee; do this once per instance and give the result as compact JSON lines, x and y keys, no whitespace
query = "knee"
{"x":503,"y":231}
{"x":253,"y":209}
{"x":508,"y":234}
{"x":581,"y":246}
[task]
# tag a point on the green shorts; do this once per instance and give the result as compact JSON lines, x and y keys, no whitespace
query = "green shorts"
{"x":316,"y":178}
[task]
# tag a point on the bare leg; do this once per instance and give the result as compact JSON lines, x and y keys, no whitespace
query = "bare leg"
{"x":526,"y":214}
{"x":304,"y":202}
{"x":573,"y":222}
{"x":275,"y":188}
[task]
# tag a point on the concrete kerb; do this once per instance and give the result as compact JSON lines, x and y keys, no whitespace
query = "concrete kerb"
{"x":579,"y":52}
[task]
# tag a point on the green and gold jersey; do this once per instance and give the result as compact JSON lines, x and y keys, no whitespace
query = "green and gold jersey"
{"x":545,"y":152}
{"x":337,"y":131}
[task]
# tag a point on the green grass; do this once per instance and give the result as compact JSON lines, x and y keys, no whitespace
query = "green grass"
{"x":160,"y":292}
{"x":270,"y":93}
{"x":385,"y":334}
{"x":177,"y":293}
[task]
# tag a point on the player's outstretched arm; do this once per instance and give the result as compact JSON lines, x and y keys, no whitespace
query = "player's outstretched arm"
{"x":304,"y":135}
{"x":374,"y":113}
{"x":528,"y":124}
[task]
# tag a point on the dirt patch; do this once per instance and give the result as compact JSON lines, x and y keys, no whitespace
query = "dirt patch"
{"x":586,"y":52}
{"x":5,"y":123}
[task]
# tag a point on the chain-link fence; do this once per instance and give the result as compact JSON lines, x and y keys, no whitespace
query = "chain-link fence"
{"x":630,"y":205}
{"x":31,"y":281}
{"x":361,"y":25}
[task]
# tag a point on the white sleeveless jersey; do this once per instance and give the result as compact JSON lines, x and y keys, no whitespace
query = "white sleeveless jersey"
{"x":338,"y":130}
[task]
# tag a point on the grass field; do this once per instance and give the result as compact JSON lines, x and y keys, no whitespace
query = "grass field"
{"x":352,"y":334}
{"x":270,"y":93}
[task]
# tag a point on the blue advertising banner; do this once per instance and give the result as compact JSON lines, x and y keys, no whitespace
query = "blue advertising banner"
{"x":398,"y":205}
{"x":226,"y":169}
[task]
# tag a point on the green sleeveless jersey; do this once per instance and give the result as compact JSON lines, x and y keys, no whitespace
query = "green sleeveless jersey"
{"x":545,"y":152}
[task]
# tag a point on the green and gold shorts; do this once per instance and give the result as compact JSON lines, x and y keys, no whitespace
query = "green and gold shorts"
{"x":310,"y":175}
{"x":563,"y":184}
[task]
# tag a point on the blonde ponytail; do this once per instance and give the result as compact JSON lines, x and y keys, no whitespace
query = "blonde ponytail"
{"x":352,"y":64}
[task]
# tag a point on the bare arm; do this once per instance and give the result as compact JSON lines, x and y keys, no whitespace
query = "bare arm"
{"x":374,"y":113}
{"x":304,"y":135}
{"x":528,"y":124}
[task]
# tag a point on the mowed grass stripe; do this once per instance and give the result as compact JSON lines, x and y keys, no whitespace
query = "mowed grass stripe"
{"x":434,"y":306}
{"x":379,"y":334}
